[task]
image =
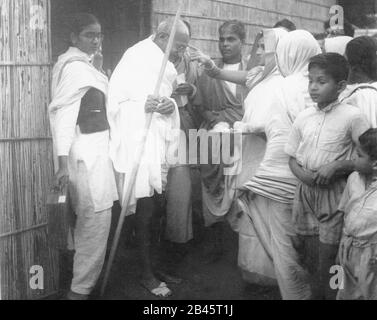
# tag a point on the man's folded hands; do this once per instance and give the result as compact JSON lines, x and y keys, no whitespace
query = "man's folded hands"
{"x":163,"y":105}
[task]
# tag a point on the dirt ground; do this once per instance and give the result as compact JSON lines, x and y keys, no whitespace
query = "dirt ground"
{"x":220,"y":280}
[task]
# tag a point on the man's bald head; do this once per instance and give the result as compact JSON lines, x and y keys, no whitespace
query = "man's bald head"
{"x":166,"y":26}
{"x":181,"y":39}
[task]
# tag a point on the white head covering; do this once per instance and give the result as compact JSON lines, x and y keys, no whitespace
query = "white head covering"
{"x":272,"y":37}
{"x":293,"y":53}
{"x":337,"y":44}
{"x":70,"y":86}
{"x":283,"y":99}
{"x":258,"y":74}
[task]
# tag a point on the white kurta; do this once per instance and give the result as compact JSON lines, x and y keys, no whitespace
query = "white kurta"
{"x":133,"y":80}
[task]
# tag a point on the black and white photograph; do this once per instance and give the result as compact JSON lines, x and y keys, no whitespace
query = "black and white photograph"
{"x":188,"y":154}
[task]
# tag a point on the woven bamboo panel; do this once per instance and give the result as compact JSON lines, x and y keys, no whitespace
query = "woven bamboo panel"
{"x":206,"y":16}
{"x":25,"y":149}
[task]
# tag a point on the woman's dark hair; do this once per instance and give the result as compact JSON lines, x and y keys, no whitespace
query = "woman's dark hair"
{"x":334,"y":64}
{"x":236,"y":27}
{"x":362,"y":56}
{"x":80,"y":21}
{"x":368,"y":142}
{"x":285,"y":23}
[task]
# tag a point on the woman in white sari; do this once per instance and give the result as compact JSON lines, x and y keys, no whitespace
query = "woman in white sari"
{"x":259,"y":106}
{"x":80,"y":132}
{"x":267,"y":197}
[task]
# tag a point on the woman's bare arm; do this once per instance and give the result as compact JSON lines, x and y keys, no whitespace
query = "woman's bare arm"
{"x":235,"y":76}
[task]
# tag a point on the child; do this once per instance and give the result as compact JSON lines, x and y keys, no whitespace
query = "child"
{"x":320,"y":147}
{"x":358,"y":248}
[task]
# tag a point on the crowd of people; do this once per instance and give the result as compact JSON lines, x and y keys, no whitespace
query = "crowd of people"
{"x":303,"y":198}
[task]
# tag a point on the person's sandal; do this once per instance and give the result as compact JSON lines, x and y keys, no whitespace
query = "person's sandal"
{"x":162,"y":291}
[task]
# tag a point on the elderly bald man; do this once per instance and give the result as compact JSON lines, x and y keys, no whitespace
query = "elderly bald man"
{"x":130,"y":99}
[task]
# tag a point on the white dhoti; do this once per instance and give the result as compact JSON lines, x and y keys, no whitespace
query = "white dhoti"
{"x":255,"y":255}
{"x":93,"y":191}
{"x":274,"y":256}
{"x":90,"y":242}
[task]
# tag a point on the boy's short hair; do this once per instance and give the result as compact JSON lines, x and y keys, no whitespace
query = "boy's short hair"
{"x":368,"y":142}
{"x":361,"y":54}
{"x":285,"y":23}
{"x":236,"y":27}
{"x":334,"y":64}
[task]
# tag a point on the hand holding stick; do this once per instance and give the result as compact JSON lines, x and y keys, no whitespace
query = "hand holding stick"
{"x":140,"y":151}
{"x":253,"y":61}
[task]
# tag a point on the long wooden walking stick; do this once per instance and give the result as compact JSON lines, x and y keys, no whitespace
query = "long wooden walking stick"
{"x":140,"y":151}
{"x":253,"y":61}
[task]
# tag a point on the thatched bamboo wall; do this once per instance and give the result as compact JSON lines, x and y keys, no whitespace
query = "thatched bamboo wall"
{"x":206,"y":16}
{"x":25,"y":149}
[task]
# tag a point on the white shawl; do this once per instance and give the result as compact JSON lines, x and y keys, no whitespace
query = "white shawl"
{"x":73,"y":75}
{"x":133,"y":80}
{"x":258,"y":104}
{"x":293,"y":53}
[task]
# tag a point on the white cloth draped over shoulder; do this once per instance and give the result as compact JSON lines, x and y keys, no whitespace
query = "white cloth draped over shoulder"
{"x":275,"y":103}
{"x":72,"y":76}
{"x":133,"y":80}
{"x":259,"y":106}
{"x":293,"y":54}
{"x":260,"y":74}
